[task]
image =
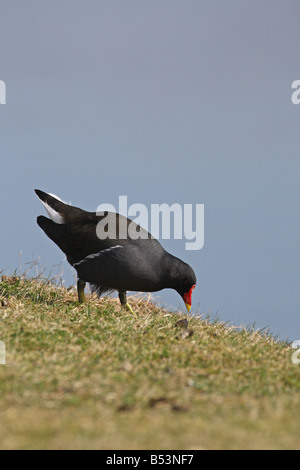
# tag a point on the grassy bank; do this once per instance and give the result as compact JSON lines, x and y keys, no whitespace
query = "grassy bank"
{"x":97,"y":376}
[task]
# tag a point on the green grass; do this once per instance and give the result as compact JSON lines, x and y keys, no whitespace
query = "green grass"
{"x":96,"y":376}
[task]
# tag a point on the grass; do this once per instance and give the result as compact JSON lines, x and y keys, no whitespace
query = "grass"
{"x":95,"y":376}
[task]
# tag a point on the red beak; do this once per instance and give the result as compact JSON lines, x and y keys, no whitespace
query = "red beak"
{"x":188,"y":298}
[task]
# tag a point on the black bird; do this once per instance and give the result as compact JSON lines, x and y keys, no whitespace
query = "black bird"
{"x":117,"y":260}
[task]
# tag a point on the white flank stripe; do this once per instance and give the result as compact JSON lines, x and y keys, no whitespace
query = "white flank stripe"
{"x":98,"y":255}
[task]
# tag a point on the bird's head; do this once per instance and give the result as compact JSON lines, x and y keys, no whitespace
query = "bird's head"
{"x":187,"y":297}
{"x":187,"y":285}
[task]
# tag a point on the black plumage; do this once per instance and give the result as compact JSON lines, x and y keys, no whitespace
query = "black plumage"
{"x":118,"y":262}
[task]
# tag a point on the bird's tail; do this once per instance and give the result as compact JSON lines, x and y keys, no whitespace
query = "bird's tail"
{"x":62,"y":213}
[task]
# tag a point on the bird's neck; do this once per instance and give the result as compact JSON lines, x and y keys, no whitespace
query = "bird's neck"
{"x":172,"y":271}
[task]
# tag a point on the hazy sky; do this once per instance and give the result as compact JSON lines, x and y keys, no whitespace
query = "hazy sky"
{"x":162,"y":101}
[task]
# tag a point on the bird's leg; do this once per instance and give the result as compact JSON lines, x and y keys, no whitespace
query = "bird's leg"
{"x":80,"y":289}
{"x":123,"y":300}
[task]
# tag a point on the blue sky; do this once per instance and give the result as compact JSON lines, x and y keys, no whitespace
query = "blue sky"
{"x":162,"y":101}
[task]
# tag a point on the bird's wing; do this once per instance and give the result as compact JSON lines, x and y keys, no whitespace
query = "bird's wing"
{"x":120,"y":267}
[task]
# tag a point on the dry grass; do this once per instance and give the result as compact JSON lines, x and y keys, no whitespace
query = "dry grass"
{"x":96,"y":376}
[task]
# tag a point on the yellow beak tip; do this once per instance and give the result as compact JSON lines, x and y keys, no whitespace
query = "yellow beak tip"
{"x":188,"y":307}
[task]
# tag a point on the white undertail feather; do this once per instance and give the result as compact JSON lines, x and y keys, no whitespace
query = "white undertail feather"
{"x":54,"y":215}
